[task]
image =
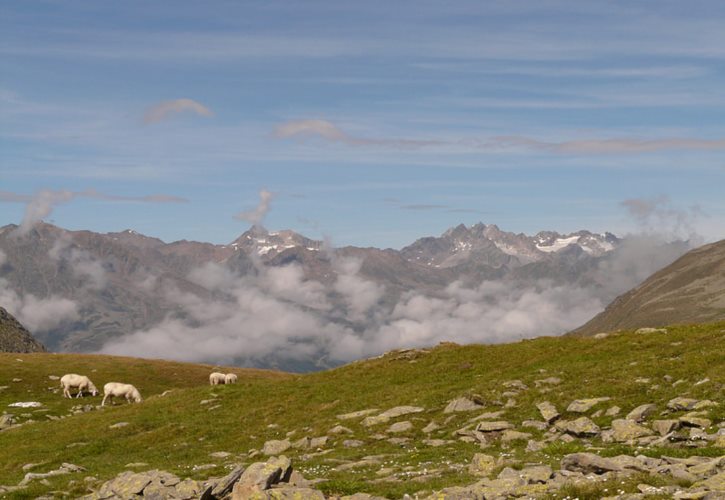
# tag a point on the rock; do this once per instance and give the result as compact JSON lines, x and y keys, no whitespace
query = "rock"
{"x":548,"y":411}
{"x":6,"y":421}
{"x":493,"y":426}
{"x":301,"y":443}
{"x":515,"y":384}
{"x":613,"y":411}
{"x":547,"y":381}
{"x":357,"y":414}
{"x":641,"y":412}
{"x":275,"y":447}
{"x":581,"y":427}
{"x":510,"y":435}
{"x":650,"y":330}
{"x":705,"y":403}
{"x":118,"y":425}
{"x":714,"y":483}
{"x":584,"y":405}
{"x":436,"y":442}
{"x":391,"y":413}
{"x":588,"y":463}
{"x":625,"y":430}
{"x":136,"y":465}
{"x":690,"y":421}
{"x":400,"y":427}
{"x":482,"y":465}
{"x":65,"y":468}
{"x":339,"y":429}
{"x":220,"y":454}
{"x":680,"y":403}
{"x":534,"y":424}
{"x":261,"y":476}
{"x":431,"y":427}
{"x":535,"y":474}
{"x":462,"y":404}
{"x":318,"y":442}
{"x":352,"y":443}
{"x":224,"y":486}
{"x":534,"y":446}
{"x":664,"y":427}
{"x":188,"y":489}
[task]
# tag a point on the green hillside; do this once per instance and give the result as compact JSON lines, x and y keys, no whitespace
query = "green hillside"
{"x":180,"y":430}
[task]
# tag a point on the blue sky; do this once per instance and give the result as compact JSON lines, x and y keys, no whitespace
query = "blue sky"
{"x":372,"y":123}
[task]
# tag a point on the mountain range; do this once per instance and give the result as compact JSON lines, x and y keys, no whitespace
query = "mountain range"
{"x":78,"y":290}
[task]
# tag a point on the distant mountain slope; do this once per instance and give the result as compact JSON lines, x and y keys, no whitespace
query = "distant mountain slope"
{"x":690,"y":290}
{"x":14,"y":337}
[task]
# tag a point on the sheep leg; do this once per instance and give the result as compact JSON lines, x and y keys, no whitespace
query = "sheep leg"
{"x":103,"y":403}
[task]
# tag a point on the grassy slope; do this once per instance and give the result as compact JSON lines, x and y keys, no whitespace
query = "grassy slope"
{"x":176,"y":432}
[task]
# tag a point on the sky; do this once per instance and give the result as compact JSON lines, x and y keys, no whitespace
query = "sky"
{"x":366,"y":123}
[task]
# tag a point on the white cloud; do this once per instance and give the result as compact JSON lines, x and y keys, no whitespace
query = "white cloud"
{"x":37,"y":314}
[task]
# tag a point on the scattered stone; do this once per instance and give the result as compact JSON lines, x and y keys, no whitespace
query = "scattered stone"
{"x":352,"y":443}
{"x":650,"y":330}
{"x":493,"y":426}
{"x":6,"y":421}
{"x":625,"y":430}
{"x":118,"y":425}
{"x":220,"y":454}
{"x":515,"y":384}
{"x":275,"y":447}
{"x":136,"y":465}
{"x":318,"y":442}
{"x":65,"y":468}
{"x":680,"y":403}
{"x":400,"y":427}
{"x":463,"y":404}
{"x":391,"y":413}
{"x":664,"y":427}
{"x":548,"y":411}
{"x":641,"y":412}
{"x":705,"y":403}
{"x":53,"y":377}
{"x":691,"y":421}
{"x":589,"y":463}
{"x":510,"y":435}
{"x":339,"y":429}
{"x":581,"y":427}
{"x":482,"y":465}
{"x":584,"y":405}
{"x":436,"y":442}
{"x":431,"y":427}
{"x":534,"y":424}
{"x":547,"y":381}
{"x":357,"y":414}
{"x":613,"y":411}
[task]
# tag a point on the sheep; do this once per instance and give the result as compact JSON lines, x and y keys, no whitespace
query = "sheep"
{"x":217,"y":378}
{"x":117,"y":389}
{"x":83,"y":383}
{"x":230,"y":378}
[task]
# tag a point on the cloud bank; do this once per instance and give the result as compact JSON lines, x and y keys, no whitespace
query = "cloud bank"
{"x":167,"y":109}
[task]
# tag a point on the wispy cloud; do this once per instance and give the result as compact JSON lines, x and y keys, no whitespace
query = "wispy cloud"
{"x":41,"y":204}
{"x":596,"y":146}
{"x":332,"y":133}
{"x":256,"y":216}
{"x":167,"y":109}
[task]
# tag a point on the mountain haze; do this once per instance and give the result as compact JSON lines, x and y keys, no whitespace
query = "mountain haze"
{"x":690,"y":290}
{"x":127,"y":293}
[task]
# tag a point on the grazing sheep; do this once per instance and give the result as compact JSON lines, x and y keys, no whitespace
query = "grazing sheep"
{"x":217,"y":378}
{"x":116,"y":389}
{"x":83,"y":383}
{"x":230,"y":378}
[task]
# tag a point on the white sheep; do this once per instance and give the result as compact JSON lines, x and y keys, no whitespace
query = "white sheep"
{"x":116,"y":389}
{"x":230,"y":378}
{"x":217,"y":378}
{"x":83,"y":383}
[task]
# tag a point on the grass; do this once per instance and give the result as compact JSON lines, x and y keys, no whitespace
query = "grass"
{"x":176,"y":432}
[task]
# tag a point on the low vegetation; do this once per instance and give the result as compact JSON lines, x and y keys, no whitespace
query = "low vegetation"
{"x":183,"y":431}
